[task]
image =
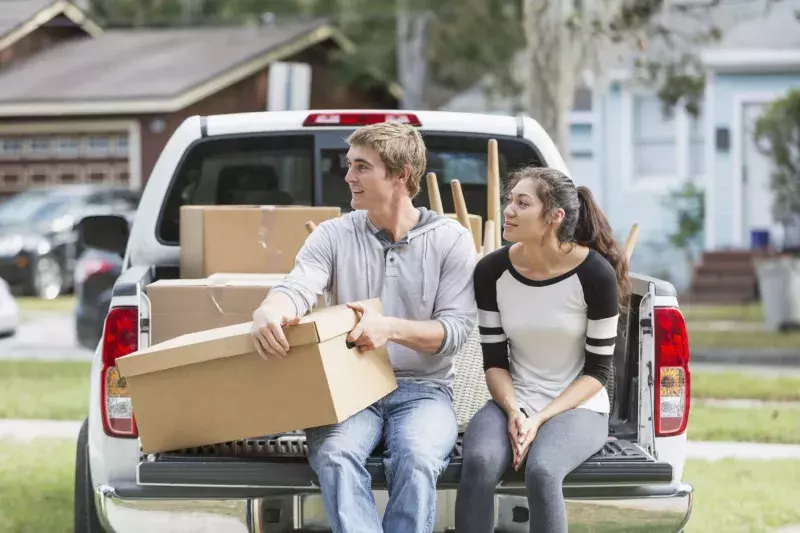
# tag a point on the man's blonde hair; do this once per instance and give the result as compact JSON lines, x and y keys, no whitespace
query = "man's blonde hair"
{"x":397,"y":145}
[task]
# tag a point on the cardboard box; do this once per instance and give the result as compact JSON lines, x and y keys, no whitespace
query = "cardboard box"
{"x":181,"y":306}
{"x":212,"y":386}
{"x":244,"y":239}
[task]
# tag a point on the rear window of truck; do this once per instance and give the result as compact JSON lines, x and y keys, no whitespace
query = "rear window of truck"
{"x":289,"y":169}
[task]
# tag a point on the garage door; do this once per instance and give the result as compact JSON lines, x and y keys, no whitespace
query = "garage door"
{"x":38,"y":159}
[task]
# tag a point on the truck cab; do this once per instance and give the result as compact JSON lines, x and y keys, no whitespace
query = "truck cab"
{"x":264,"y":484}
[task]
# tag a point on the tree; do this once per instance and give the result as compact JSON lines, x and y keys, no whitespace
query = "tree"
{"x":566,"y":38}
{"x":689,"y":207}
{"x":778,"y":134}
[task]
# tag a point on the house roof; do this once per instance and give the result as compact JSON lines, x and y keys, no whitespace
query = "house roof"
{"x":149,"y":70}
{"x":766,"y":42}
{"x":15,"y":13}
{"x":18,"y":18}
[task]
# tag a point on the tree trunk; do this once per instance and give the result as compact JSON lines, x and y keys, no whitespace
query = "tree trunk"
{"x":551,"y":68}
{"x":412,"y":49}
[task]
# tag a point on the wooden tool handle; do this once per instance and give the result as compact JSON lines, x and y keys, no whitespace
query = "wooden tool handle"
{"x":434,"y":198}
{"x":310,"y":226}
{"x":488,"y":237}
{"x":459,"y":203}
{"x":461,"y":211}
{"x":630,"y":242}
{"x":493,"y":190}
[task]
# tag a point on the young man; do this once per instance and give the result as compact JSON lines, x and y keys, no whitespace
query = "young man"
{"x":420,"y":265}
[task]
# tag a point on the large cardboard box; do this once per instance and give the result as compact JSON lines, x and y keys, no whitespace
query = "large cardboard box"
{"x":212,"y":386}
{"x":244,"y":239}
{"x":181,"y":306}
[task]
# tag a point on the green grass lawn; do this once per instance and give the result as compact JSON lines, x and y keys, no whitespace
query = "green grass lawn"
{"x":743,"y":496}
{"x":36,"y":486}
{"x":30,"y":304}
{"x":740,"y":340}
{"x":745,"y":312}
{"x":763,"y":424}
{"x":735,"y":385}
{"x":48,"y":390}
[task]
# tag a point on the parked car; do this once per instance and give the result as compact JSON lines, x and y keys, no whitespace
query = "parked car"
{"x":38,"y":240}
{"x":9,"y":311}
{"x":265,"y":484}
{"x":95,"y":274}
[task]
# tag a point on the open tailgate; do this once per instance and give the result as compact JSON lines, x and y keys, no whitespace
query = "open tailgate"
{"x":281,"y":463}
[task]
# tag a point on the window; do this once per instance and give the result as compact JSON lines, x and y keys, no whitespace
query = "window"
{"x":259,"y":170}
{"x":69,"y":145}
{"x":654,"y":139}
{"x":10,"y":146}
{"x":40,"y":145}
{"x":449,"y":157}
{"x":98,"y":145}
{"x":121,"y":145}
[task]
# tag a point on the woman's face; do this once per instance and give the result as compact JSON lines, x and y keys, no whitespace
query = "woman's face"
{"x":524,"y":219}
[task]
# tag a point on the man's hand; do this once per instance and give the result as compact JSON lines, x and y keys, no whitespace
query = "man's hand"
{"x":372,"y":331}
{"x":268,"y":334}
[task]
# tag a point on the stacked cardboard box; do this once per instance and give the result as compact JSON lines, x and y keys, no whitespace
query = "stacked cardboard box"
{"x":202,"y":381}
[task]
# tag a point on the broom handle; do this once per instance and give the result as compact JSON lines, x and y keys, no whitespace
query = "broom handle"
{"x":310,"y":226}
{"x":493,"y":190}
{"x":434,"y":198}
{"x":630,"y":242}
{"x":488,"y":237}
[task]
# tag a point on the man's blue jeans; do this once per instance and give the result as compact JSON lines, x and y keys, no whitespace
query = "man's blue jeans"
{"x":418,"y":424}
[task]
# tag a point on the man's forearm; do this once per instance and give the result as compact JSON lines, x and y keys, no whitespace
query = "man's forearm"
{"x":420,"y":335}
{"x":280,"y":302}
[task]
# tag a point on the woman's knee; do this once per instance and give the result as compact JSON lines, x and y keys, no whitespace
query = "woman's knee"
{"x":542,"y":475}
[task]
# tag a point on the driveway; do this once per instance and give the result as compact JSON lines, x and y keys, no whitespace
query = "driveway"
{"x":46,"y":336}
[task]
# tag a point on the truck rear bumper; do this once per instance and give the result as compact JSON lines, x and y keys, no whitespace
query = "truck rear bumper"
{"x":123,"y":509}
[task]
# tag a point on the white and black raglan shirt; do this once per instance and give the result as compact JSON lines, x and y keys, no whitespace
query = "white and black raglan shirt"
{"x":548,"y":333}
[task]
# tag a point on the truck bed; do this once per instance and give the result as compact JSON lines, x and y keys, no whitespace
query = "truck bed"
{"x":281,"y":462}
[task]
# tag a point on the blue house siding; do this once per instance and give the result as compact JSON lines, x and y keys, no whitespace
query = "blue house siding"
{"x":726,"y":94}
{"x":629,"y":200}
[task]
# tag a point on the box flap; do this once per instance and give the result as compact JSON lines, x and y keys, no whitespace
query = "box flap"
{"x":189,"y":349}
{"x":326,"y":323}
{"x":229,"y":341}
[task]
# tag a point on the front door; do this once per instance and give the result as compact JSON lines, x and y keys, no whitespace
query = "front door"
{"x":756,"y":170}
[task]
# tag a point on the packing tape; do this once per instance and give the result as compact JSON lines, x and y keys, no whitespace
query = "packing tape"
{"x":213,"y":287}
{"x":266,"y":227}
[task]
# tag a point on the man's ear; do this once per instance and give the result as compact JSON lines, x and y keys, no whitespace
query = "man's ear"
{"x":405,"y":174}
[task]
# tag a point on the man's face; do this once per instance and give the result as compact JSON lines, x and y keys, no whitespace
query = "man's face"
{"x":370,"y":185}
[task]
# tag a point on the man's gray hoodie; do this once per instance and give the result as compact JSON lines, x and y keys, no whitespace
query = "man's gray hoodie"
{"x":425,"y":276}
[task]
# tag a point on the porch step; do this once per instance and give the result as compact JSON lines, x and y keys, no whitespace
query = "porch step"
{"x":726,"y":277}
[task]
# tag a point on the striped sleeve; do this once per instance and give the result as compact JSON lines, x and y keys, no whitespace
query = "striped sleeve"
{"x":601,"y":294}
{"x":494,"y":343}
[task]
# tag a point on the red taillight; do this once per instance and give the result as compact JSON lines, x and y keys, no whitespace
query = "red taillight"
{"x":89,"y":267}
{"x":120,"y":338}
{"x":672,"y":391}
{"x":359,"y":119}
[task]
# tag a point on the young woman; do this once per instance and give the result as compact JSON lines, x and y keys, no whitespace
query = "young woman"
{"x":548,"y":307}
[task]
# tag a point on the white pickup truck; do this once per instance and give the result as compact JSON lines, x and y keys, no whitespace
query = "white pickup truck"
{"x":265,"y":484}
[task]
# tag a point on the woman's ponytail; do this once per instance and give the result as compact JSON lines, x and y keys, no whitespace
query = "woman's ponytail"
{"x":594,"y":231}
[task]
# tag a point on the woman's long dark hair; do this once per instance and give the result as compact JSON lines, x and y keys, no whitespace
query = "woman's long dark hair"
{"x":584,"y":222}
